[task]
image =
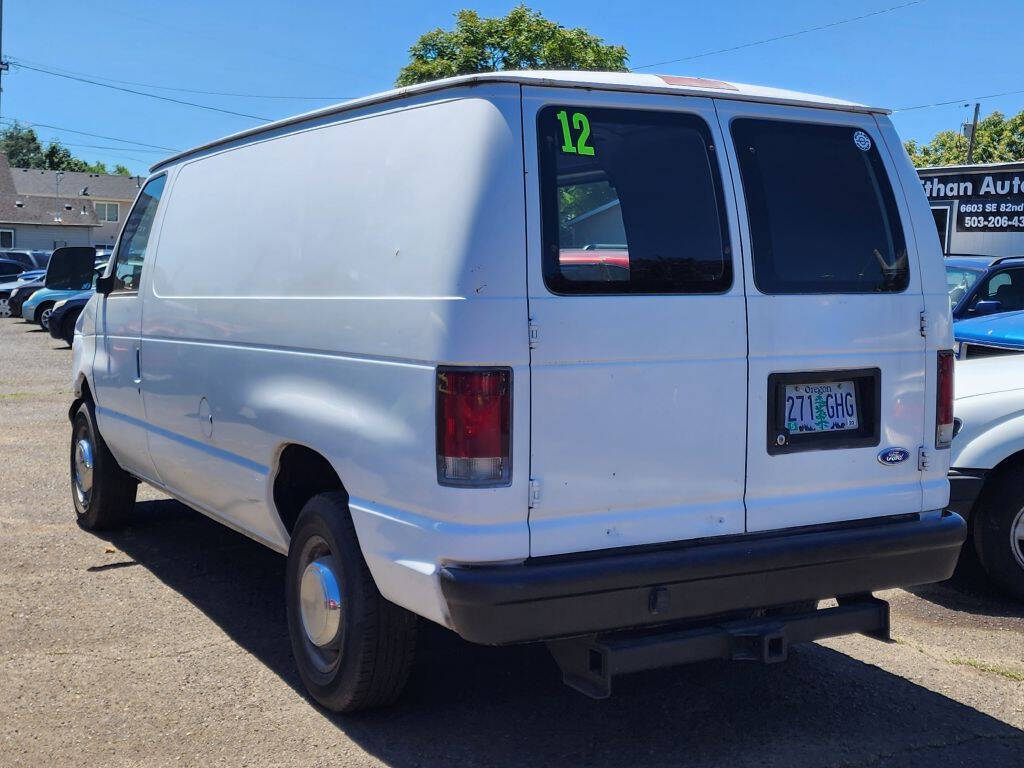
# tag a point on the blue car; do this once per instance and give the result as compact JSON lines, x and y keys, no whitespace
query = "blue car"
{"x":1001,"y":334}
{"x":984,"y":285}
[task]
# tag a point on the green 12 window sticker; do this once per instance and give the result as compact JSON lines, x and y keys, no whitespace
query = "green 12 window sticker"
{"x":579,"y":123}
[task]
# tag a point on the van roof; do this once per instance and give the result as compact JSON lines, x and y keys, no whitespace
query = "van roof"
{"x":615,"y":81}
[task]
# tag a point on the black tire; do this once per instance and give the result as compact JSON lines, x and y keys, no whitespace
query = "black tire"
{"x":67,"y":331}
{"x":43,"y":309}
{"x":367,"y":661}
{"x":111,"y":491}
{"x":998,"y":513}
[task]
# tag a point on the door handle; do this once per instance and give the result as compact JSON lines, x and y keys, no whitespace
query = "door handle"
{"x":138,"y":369}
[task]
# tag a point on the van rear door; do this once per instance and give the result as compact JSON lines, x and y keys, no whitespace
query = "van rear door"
{"x":837,"y":360}
{"x":638,"y":359}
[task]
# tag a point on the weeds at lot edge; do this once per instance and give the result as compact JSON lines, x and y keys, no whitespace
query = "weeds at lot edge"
{"x":983,"y":666}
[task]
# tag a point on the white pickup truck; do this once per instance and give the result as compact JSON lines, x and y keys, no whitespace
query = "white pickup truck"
{"x":987,"y":464}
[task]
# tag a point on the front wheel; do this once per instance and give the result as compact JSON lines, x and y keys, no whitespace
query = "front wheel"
{"x":5,"y":308}
{"x":43,"y":315}
{"x":102,"y":492}
{"x":353,"y":648}
{"x":998,"y":521}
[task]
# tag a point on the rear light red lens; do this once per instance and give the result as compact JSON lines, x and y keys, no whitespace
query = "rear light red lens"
{"x":474,"y":426}
{"x":944,"y":400}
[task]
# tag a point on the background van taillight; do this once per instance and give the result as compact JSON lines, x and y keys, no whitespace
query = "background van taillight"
{"x":944,"y":400}
{"x":474,"y":426}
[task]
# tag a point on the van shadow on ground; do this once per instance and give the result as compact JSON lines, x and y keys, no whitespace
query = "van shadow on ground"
{"x":970,"y":591}
{"x":473,"y":705}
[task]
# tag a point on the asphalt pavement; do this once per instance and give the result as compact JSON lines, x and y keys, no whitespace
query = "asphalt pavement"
{"x":165,"y":643}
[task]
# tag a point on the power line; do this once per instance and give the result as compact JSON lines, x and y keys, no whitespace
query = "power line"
{"x":16,"y":60}
{"x":138,"y":93}
{"x":958,"y":101}
{"x":31,"y":124}
{"x":786,"y":36}
{"x":97,"y":146}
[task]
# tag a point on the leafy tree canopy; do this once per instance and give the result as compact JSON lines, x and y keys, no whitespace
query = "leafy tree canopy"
{"x":23,"y":150}
{"x":523,"y":39}
{"x":998,"y":140}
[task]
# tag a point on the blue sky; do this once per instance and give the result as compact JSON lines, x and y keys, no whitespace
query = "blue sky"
{"x":933,"y":51}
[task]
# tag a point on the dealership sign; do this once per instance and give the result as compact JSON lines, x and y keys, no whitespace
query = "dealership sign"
{"x":992,"y":202}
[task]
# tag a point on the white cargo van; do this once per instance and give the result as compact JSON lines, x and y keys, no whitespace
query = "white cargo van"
{"x":639,"y":366}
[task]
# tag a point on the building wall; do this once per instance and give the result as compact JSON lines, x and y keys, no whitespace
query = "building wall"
{"x":34,"y":236}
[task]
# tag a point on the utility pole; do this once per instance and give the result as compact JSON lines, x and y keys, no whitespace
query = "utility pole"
{"x":3,"y":64}
{"x":56,"y":203}
{"x":970,"y":141}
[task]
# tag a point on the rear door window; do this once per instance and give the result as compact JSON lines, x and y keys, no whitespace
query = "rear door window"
{"x":632,"y":203}
{"x":823,"y":218}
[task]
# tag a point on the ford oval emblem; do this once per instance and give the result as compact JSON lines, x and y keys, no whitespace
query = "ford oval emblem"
{"x":893,"y":456}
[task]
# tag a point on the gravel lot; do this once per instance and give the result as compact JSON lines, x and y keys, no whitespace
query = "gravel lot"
{"x":166,"y":644}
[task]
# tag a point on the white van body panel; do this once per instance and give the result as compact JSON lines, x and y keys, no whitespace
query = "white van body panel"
{"x":631,"y":440}
{"x":308,"y":310}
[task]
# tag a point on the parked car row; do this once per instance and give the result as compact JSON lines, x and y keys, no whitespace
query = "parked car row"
{"x":53,"y":297}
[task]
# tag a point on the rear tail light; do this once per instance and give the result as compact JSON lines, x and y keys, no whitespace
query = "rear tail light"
{"x":944,"y":400}
{"x":474,"y":426}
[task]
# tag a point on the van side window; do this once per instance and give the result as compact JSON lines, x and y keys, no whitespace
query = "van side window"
{"x":131,"y":251}
{"x":632,"y":203}
{"x":823,"y":218}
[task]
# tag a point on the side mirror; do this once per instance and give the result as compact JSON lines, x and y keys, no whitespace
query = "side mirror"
{"x":105,"y":285}
{"x":988,"y":307}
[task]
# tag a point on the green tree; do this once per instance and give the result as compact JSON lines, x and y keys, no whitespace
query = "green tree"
{"x":23,"y":150}
{"x":22,"y":147}
{"x":523,"y":39}
{"x":998,"y":140}
{"x":122,"y":170}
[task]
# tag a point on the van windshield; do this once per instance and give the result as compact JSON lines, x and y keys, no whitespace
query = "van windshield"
{"x":632,"y":203}
{"x":823,"y":218}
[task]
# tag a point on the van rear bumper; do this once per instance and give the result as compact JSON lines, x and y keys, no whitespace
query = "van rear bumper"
{"x":599,"y":592}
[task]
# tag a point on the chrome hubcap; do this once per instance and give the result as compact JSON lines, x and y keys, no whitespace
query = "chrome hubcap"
{"x":44,"y":319}
{"x":5,"y":308}
{"x":1017,"y":538}
{"x":83,"y":470}
{"x":320,"y":602}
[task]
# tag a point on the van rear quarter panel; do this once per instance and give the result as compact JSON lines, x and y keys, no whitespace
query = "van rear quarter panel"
{"x":307,"y":284}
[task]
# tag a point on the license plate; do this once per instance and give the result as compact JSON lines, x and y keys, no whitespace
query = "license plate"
{"x":830,"y":407}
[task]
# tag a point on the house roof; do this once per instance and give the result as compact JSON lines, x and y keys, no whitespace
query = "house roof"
{"x":100,"y":186}
{"x":35,"y":209}
{"x":613,"y":81}
{"x":17,"y":207}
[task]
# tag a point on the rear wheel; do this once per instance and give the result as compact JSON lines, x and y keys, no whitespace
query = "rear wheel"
{"x":998,"y":522}
{"x":353,"y":648}
{"x":102,"y":492}
{"x":5,"y":308}
{"x":43,"y":315}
